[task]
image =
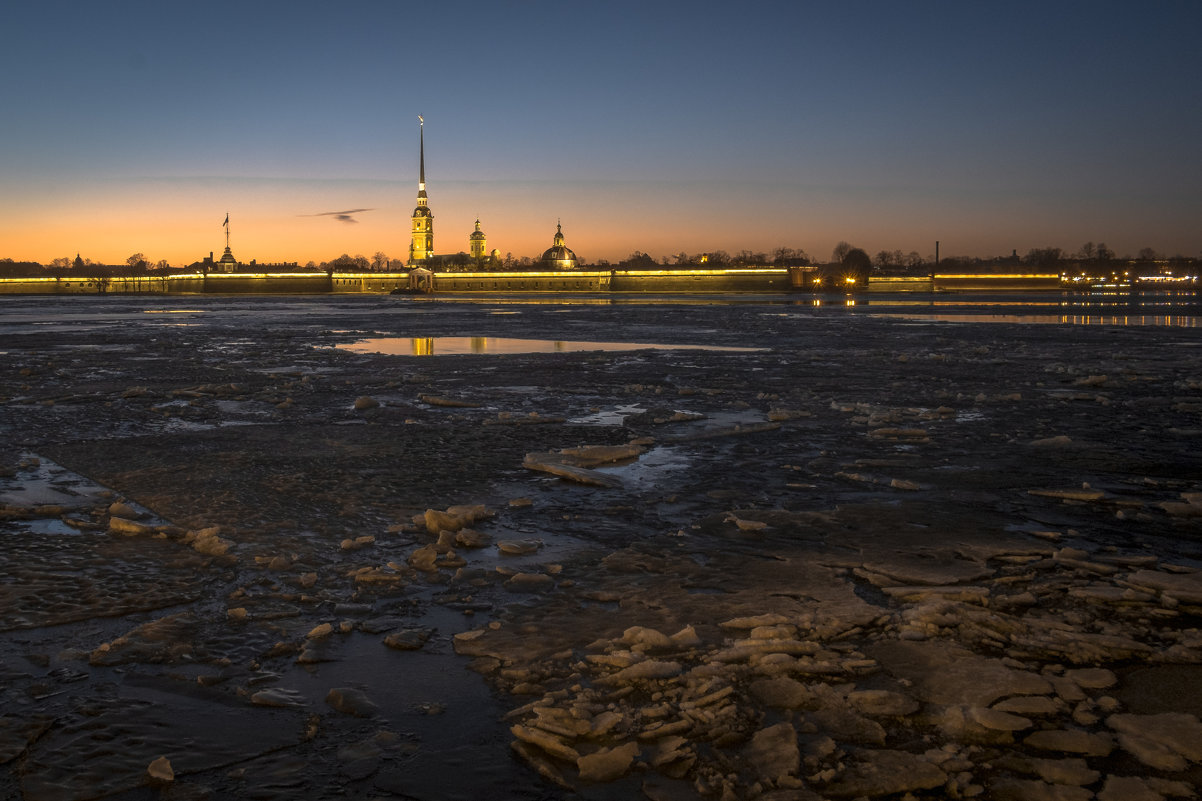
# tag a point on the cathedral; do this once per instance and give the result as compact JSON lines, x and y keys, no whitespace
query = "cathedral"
{"x":421,"y":246}
{"x":559,"y":256}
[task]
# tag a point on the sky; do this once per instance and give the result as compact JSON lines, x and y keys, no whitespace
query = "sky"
{"x":654,"y":126}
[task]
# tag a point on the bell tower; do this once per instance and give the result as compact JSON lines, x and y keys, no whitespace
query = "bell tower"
{"x":477,"y":243}
{"x":421,"y":247}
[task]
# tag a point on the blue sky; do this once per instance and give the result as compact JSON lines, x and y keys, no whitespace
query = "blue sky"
{"x":653,"y":126}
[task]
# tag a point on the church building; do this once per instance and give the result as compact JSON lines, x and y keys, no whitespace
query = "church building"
{"x":477,"y":243}
{"x":559,"y":256}
{"x":421,"y":247}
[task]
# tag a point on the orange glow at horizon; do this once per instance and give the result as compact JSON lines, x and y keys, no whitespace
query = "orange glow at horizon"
{"x":280,"y":221}
{"x":184,"y":232}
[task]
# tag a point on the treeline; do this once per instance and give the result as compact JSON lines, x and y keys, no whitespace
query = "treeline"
{"x":856,"y":261}
{"x":853,"y":261}
{"x":137,"y":264}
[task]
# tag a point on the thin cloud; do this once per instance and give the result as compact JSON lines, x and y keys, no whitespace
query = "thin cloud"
{"x":341,"y":216}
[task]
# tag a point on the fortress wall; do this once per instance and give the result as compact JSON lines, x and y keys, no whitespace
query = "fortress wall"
{"x":898,"y":284}
{"x":522,"y":282}
{"x":761,"y":280}
{"x":996,"y":282}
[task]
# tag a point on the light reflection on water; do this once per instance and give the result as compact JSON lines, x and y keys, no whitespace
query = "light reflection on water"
{"x":1181,"y":320}
{"x":450,"y":346}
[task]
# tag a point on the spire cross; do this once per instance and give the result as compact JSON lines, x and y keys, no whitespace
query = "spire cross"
{"x":422,"y":150}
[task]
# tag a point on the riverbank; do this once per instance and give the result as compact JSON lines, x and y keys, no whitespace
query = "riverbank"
{"x":758,"y":280}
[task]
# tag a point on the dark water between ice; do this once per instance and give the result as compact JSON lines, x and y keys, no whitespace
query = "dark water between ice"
{"x":30,"y":314}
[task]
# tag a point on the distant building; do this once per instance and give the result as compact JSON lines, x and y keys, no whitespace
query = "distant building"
{"x":559,"y":256}
{"x":477,"y":243}
{"x":227,"y":263}
{"x":421,"y":247}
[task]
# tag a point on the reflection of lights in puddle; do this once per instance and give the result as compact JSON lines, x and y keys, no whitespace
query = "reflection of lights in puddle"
{"x":445,"y":346}
{"x":1182,"y":321}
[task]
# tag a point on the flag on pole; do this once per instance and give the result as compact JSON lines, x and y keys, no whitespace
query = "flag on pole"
{"x":227,"y":219}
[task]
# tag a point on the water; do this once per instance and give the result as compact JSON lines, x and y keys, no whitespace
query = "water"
{"x":31,"y":314}
{"x":455,"y":346}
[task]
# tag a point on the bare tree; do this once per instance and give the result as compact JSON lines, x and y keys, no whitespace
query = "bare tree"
{"x":1043,"y":257}
{"x":840,"y":252}
{"x":379,"y":261}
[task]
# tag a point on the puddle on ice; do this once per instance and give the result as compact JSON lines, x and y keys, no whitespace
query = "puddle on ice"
{"x":39,"y":482}
{"x":293,"y":370}
{"x":716,"y":421}
{"x":50,"y":526}
{"x":449,"y":346}
{"x":609,"y":417}
{"x":243,"y":408}
{"x":649,"y":466}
